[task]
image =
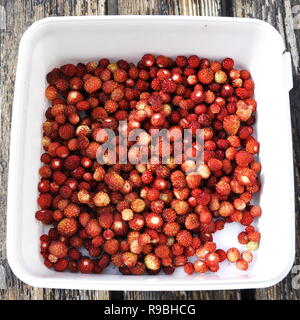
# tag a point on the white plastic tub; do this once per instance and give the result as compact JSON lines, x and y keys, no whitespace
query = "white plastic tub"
{"x":253,"y":44}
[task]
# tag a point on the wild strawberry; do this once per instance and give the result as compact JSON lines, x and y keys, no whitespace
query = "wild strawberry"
{"x":200,"y":266}
{"x":101,"y":199}
{"x":58,"y":249}
{"x":215,"y":164}
{"x":222,"y":254}
{"x":136,"y":247}
{"x":85,"y":265}
{"x":45,"y":200}
{"x":178,"y":179}
{"x":117,"y":95}
{"x":207,"y":227}
{"x":177,"y":249}
{"x":105,"y":220}
{"x":117,"y":259}
{"x":72,"y":162}
{"x":243,"y":238}
{"x":228,"y":63}
{"x":231,"y":124}
{"x":61,"y":265}
{"x":92,"y":84}
{"x":254,"y":236}
{"x":68,"y":69}
{"x":243,"y":93}
{"x":193,"y":180}
{"x":138,"y":205}
{"x":255,"y":211}
{"x":152,"y":262}
{"x":245,"y":176}
{"x":189,"y":268}
{"x":223,"y":188}
{"x":74,"y":97}
{"x":45,"y":216}
{"x":119,"y":227}
{"x":168,"y":85}
{"x":152,"y":194}
{"x":243,"y":111}
{"x":181,"y":207}
{"x":92,"y":150}
{"x":247,"y":256}
{"x":184,"y":237}
{"x":242,"y":264}
{"x":192,"y":221}
{"x":129,"y":259}
{"x":212,"y":259}
{"x":252,"y":245}
{"x":252,"y":146}
{"x":220,"y":76}
{"x":72,"y":210}
{"x":179,"y":261}
{"x":127,"y":214}
{"x":114,"y":181}
{"x":171,"y":228}
{"x":233,"y":255}
{"x":169,"y":215}
{"x":162,"y":251}
{"x":74,"y":254}
{"x":67,"y":227}
{"x":210,"y":246}
{"x":138,"y":269}
{"x":137,"y":222}
{"x":243,"y":158}
{"x":153,"y":220}
{"x":51,"y":93}
{"x":157,"y":206}
{"x":93,"y":228}
{"x":206,"y":76}
{"x":111,"y":246}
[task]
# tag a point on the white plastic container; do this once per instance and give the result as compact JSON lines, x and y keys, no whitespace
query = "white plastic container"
{"x":253,"y":44}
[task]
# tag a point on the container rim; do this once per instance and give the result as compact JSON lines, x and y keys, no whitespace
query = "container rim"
{"x":14,"y":262}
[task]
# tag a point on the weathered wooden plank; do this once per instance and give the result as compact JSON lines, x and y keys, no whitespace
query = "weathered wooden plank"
{"x":183,"y":295}
{"x":167,"y":7}
{"x":11,"y":30}
{"x":284,"y":16}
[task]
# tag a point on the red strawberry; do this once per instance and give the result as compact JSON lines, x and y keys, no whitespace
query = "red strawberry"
{"x":171,"y":228}
{"x":243,"y":158}
{"x":200,"y":266}
{"x":67,"y":227}
{"x":129,"y":259}
{"x":192,"y":221}
{"x":231,"y":124}
{"x":153,"y":220}
{"x":252,"y":146}
{"x":93,"y":228}
{"x":92,"y":84}
{"x":61,"y":265}
{"x":45,"y":216}
{"x":74,"y":97}
{"x":184,"y":237}
{"x":72,"y":210}
{"x":58,"y":249}
{"x":111,"y":246}
{"x":206,"y":76}
{"x":85,"y":265}
{"x":152,"y":262}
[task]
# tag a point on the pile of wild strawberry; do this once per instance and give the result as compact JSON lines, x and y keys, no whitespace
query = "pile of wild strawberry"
{"x":147,"y":217}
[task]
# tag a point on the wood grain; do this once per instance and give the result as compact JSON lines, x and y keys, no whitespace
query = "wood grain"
{"x":284,"y":15}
